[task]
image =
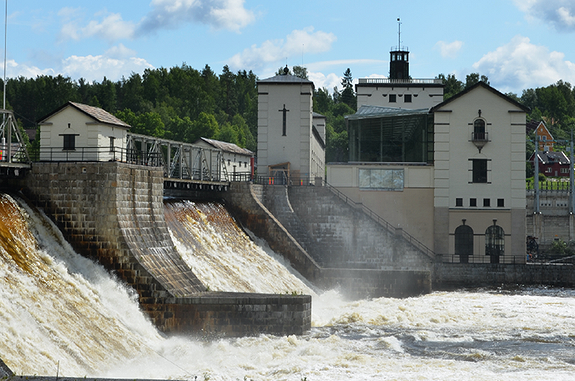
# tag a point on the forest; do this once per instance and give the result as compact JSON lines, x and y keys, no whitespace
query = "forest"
{"x":184,"y":104}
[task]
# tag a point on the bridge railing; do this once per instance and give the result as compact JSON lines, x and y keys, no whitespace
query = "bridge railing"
{"x":93,"y":154}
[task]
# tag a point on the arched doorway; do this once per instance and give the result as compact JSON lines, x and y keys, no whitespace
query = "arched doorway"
{"x":494,"y":242}
{"x":464,"y":242}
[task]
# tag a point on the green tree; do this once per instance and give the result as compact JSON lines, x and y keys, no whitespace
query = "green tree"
{"x":347,"y":94}
{"x":205,"y":126}
{"x":300,"y":71}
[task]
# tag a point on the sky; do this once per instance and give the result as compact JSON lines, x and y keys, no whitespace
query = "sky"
{"x":517,"y":44}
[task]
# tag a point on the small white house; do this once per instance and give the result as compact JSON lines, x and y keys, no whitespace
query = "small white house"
{"x":238,"y":162}
{"x":78,"y":132}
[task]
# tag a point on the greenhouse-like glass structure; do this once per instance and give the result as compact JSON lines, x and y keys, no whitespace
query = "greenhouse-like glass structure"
{"x":390,"y":135}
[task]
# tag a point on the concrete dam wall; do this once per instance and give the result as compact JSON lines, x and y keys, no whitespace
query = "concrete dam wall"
{"x":113,"y":212}
{"x":365,"y":266}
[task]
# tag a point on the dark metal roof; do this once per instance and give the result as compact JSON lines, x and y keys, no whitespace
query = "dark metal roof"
{"x":227,"y":147}
{"x":365,"y":112}
{"x":288,"y":79}
{"x":550,"y":157}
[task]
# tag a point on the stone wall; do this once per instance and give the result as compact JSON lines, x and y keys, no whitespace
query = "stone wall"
{"x":245,"y":205}
{"x":347,"y":237}
{"x":554,"y":221}
{"x":450,"y":276}
{"x":113,"y":212}
{"x":235,"y":314}
{"x":360,"y":278}
{"x":363,"y":283}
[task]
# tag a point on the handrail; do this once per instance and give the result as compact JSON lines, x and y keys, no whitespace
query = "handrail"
{"x":93,"y":154}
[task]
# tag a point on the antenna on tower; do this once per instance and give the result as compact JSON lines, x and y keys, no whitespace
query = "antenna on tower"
{"x":399,"y":34}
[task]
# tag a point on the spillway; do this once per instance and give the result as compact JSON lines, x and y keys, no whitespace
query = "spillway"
{"x":58,"y":309}
{"x":63,"y":314}
{"x":223,"y":256}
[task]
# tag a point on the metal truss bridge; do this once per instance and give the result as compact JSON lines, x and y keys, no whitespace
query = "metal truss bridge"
{"x":14,"y":158}
{"x":185,"y":165}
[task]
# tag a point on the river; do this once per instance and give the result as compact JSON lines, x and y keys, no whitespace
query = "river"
{"x":61,"y":314}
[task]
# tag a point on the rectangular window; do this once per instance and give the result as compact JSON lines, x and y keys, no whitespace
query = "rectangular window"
{"x":486,"y":202}
{"x":473,"y":202}
{"x":564,"y":170}
{"x":69,"y":142}
{"x":392,"y":98}
{"x":112,"y":143}
{"x":548,"y":170}
{"x":479,"y":170}
{"x":407,"y":98}
{"x":500,"y":203}
{"x":458,"y":202}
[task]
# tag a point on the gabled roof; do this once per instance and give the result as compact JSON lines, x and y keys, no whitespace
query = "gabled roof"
{"x":287,"y":78}
{"x":317,"y":115}
{"x":96,"y":113}
{"x":550,"y":157}
{"x":485,"y":86}
{"x":226,"y":147}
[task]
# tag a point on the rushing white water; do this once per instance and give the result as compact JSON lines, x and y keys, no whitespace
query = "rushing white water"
{"x":59,"y":308}
{"x":222,"y":256}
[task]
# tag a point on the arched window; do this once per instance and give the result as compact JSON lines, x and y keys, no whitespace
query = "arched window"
{"x":479,"y":129}
{"x":464,"y":242}
{"x":494,"y":242}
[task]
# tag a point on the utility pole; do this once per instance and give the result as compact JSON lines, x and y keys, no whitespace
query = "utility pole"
{"x":571,"y":176}
{"x":536,"y":175}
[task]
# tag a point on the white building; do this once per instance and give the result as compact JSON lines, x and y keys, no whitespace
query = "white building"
{"x":238,"y":162}
{"x":399,"y":90}
{"x":78,"y":132}
{"x":291,"y":138}
{"x":451,"y":174}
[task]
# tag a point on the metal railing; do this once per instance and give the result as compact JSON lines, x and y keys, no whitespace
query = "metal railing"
{"x":424,"y":81}
{"x":310,"y":181}
{"x":240,"y":177}
{"x":482,"y":136}
{"x":397,"y":231}
{"x":94,"y":154}
{"x":482,"y":259}
{"x":549,"y":186}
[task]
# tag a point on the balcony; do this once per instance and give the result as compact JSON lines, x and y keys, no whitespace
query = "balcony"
{"x":480,"y":139}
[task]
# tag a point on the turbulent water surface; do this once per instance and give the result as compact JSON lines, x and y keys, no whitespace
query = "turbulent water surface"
{"x":62,"y":313}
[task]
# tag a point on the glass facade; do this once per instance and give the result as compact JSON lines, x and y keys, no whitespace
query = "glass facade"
{"x":391,"y":138}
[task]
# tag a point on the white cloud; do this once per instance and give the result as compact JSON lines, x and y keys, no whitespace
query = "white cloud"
{"x":111,"y":28}
{"x":95,"y":68}
{"x":15,"y":70}
{"x":520,"y":64}
{"x":120,"y":51}
{"x":165,"y":14}
{"x":220,"y":14}
{"x":117,"y":62}
{"x":321,"y":80}
{"x":559,"y":13}
{"x":449,"y":49}
{"x":276,"y":51}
